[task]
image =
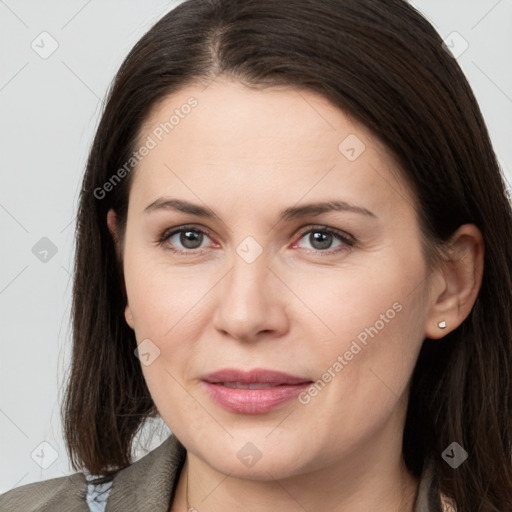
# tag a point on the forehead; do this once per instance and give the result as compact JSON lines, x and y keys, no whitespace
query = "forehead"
{"x":226,"y":135}
{"x":266,"y":120}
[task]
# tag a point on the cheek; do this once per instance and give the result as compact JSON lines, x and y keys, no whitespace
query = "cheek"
{"x":365,"y":304}
{"x":164,"y":304}
{"x":376,"y":320}
{"x":161,"y":297}
{"x":168,"y":304}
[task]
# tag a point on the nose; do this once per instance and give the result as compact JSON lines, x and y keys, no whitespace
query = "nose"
{"x":251,"y":301}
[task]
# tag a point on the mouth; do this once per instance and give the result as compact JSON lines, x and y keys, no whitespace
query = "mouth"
{"x":261,"y":377}
{"x":252,"y":385}
{"x":253,"y":392}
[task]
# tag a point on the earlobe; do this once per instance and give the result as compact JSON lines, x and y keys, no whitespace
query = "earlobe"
{"x":462,"y":273}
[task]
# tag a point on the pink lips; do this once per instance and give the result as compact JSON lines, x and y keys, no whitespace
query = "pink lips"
{"x":284,"y":387}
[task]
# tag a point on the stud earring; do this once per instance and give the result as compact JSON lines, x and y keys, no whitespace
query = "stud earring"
{"x":442,"y":324}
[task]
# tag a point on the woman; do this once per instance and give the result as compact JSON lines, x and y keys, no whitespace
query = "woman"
{"x":293,"y":246}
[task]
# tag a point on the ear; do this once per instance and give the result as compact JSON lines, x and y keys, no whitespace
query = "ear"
{"x":458,"y":282}
{"x":128,"y":315}
{"x":112,"y":226}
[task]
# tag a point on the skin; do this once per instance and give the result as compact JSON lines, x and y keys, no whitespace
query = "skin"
{"x":247,"y":154}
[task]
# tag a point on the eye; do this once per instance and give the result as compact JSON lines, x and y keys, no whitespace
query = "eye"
{"x":321,"y":238}
{"x":189,"y":237}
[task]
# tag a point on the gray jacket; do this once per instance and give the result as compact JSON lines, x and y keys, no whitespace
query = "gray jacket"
{"x":147,"y":485}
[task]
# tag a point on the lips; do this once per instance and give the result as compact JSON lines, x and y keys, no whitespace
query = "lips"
{"x":252,"y":392}
{"x":251,"y":385}
{"x":255,"y":376}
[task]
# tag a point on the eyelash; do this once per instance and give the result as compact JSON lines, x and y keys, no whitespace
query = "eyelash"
{"x":347,"y":240}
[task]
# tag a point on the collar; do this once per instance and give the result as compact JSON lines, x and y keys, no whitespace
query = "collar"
{"x":148,"y":485}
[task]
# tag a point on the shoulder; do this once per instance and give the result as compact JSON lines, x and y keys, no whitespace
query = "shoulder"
{"x":146,"y":485}
{"x":67,"y":493}
{"x":149,"y":484}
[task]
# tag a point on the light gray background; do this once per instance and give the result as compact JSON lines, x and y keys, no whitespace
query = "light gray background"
{"x":50,"y":108}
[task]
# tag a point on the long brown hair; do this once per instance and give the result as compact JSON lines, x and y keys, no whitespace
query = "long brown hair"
{"x":382,"y":63}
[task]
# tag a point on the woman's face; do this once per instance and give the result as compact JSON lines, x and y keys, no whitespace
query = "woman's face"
{"x":333,"y":296}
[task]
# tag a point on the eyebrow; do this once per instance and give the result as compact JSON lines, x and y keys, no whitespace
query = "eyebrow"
{"x":291,"y":212}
